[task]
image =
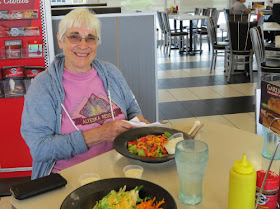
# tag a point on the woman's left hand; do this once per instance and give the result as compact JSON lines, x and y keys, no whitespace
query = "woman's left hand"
{"x":105,"y":133}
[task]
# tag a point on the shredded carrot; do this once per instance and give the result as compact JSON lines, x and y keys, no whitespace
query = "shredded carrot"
{"x":151,"y":204}
{"x":152,"y":145}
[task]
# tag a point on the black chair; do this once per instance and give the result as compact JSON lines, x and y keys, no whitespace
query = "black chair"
{"x":226,"y":12}
{"x":170,"y":36}
{"x":215,"y":14}
{"x":205,"y":12}
{"x":202,"y":30}
{"x":162,"y":30}
{"x":240,"y":47}
{"x":197,"y":11}
{"x":230,"y":17}
{"x":266,"y":67}
{"x":216,"y":47}
{"x":195,"y":25}
{"x":238,"y":17}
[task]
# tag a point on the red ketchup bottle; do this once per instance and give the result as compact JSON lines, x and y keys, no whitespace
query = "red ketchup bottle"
{"x":258,"y":16}
{"x":269,"y":195}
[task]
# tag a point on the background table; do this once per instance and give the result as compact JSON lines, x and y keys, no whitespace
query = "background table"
{"x":271,"y":26}
{"x":190,"y":17}
{"x":274,"y":27}
{"x":226,"y":145}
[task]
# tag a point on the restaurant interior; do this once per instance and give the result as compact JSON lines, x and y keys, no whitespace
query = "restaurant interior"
{"x":196,"y":69}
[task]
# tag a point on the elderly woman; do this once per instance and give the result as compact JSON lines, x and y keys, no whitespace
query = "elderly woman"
{"x":74,"y":110}
{"x":239,"y":7}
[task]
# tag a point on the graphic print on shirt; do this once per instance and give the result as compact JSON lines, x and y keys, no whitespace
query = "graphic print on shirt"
{"x":94,"y":111}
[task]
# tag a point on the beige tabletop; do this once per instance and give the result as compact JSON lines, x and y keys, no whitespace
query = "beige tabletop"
{"x":226,"y":145}
{"x":182,"y":17}
{"x":186,"y":16}
{"x":271,"y":26}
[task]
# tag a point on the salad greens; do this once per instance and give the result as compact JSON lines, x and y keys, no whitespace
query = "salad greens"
{"x":121,"y":199}
{"x":150,"y":146}
{"x":167,"y":135}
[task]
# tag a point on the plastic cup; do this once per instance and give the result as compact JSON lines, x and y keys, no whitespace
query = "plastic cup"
{"x":270,"y":140}
{"x":177,"y":135}
{"x":173,"y":140}
{"x":133,"y":171}
{"x":87,"y":178}
{"x":191,"y":157}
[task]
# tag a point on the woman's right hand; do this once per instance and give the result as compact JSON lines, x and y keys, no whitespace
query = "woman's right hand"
{"x":105,"y":133}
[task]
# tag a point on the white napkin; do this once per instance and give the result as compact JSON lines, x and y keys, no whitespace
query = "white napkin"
{"x":135,"y":122}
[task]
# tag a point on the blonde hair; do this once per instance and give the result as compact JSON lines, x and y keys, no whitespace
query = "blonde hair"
{"x":80,"y":18}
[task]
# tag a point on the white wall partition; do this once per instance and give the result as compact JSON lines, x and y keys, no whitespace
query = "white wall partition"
{"x":129,"y":42}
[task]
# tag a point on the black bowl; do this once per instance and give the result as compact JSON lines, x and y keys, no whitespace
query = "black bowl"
{"x":85,"y":197}
{"x":120,"y":143}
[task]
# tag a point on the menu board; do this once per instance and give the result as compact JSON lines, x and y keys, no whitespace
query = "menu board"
{"x":22,"y":44}
{"x":270,"y":105}
{"x":21,"y":33}
{"x":258,"y":5}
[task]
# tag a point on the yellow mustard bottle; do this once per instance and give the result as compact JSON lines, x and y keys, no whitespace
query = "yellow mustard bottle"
{"x":242,"y":185}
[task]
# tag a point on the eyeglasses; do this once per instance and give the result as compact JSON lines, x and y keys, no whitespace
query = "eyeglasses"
{"x":76,"y":39}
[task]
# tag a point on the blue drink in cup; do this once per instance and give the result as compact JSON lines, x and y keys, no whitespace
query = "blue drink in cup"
{"x":191,"y":158}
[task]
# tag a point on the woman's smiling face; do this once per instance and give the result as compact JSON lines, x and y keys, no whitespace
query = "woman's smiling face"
{"x":78,"y":56}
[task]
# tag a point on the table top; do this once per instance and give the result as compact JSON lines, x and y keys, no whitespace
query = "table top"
{"x":226,"y":145}
{"x":191,"y":17}
{"x":274,"y":47}
{"x":184,"y":16}
{"x":271,"y":26}
{"x":264,"y":11}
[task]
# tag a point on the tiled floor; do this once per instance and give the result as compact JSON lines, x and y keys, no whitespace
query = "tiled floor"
{"x":187,"y":90}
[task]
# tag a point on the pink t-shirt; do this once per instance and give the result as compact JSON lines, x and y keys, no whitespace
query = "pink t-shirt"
{"x":87,"y":103}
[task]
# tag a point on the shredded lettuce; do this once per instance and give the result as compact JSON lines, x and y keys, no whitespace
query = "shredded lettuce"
{"x":133,"y":149}
{"x":122,"y":197}
{"x":167,"y":135}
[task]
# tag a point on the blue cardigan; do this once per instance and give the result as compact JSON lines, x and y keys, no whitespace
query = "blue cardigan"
{"x":41,"y":117}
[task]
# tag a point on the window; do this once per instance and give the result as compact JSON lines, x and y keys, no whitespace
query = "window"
{"x":160,"y":5}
